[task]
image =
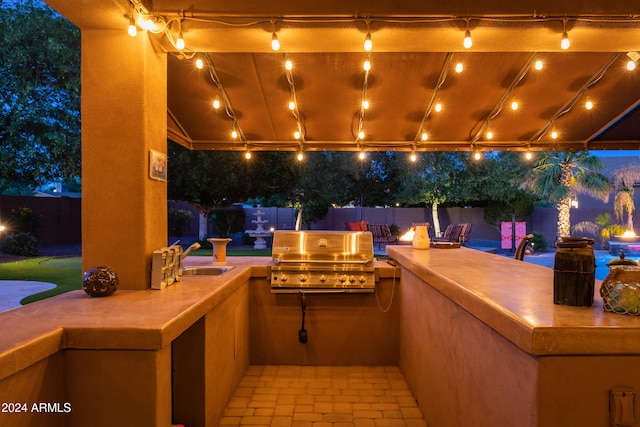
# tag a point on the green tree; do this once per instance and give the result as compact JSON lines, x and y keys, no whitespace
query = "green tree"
{"x":39,"y":96}
{"x":561,"y":175}
{"x":215,"y":179}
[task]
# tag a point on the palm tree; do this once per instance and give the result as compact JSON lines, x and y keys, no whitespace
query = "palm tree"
{"x":623,"y":181}
{"x":561,"y":175}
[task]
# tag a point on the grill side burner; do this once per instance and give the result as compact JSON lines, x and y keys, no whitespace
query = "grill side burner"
{"x":322,"y":262}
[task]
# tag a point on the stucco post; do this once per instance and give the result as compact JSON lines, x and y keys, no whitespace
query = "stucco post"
{"x":124,"y":110}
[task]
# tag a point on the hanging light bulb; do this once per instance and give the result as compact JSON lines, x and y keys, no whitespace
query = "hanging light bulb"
{"x":459,"y":67}
{"x":292,"y":105}
{"x":300,"y":156}
{"x":514,"y":104}
{"x":631,"y":65}
{"x":361,"y":155}
{"x":247,"y":154}
{"x":413,"y":156}
{"x":425,"y":136}
{"x":368,"y":44}
{"x":539,"y":65}
{"x":489,"y":134}
{"x":361,"y":134}
{"x":288,"y":65}
{"x":367,"y":65}
{"x":528,"y":155}
{"x":234,"y":134}
{"x":365,"y":104}
{"x":554,"y":134}
{"x":275,"y":44}
{"x":589,"y":104}
{"x":477,"y":155}
{"x":438,"y":107}
{"x":216,"y":103}
{"x":199,"y":64}
{"x":180,"y":41}
{"x":132,"y":30}
{"x":296,"y":134}
{"x":467,"y":39}
{"x":565,"y":43}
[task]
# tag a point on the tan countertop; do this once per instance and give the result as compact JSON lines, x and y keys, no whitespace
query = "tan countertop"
{"x":144,"y":320}
{"x":515,"y":298}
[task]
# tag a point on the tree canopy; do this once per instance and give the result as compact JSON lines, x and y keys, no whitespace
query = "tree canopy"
{"x":39,"y":96}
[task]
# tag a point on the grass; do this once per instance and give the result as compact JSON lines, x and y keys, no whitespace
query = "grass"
{"x":64,"y":272}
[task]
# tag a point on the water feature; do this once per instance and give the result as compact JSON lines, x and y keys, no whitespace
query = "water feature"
{"x":259,"y":233}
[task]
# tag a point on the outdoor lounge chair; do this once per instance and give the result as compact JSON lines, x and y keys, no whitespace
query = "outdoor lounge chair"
{"x":455,"y":233}
{"x":382,"y":234}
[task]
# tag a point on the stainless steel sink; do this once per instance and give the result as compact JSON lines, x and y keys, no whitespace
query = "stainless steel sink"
{"x":206,"y":271}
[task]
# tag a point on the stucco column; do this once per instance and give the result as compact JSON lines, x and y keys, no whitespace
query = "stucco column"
{"x":124,"y":116}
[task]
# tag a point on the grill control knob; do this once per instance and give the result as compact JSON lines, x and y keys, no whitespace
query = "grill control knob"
{"x":323,"y":278}
{"x":362,"y":279}
{"x":352,"y":279}
{"x":283,"y":278}
{"x":342,"y":279}
{"x":303,"y":278}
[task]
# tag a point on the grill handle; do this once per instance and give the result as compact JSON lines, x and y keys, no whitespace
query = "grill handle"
{"x":319,"y":261}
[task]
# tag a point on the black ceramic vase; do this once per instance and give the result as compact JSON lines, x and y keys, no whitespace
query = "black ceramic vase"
{"x":100,"y":281}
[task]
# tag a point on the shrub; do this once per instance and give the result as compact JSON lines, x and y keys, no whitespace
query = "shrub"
{"x":23,"y":244}
{"x":24,"y":220}
{"x":179,"y":220}
{"x":538,"y":242}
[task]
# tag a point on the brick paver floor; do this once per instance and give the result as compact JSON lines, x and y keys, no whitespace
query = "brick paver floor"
{"x":323,"y":396}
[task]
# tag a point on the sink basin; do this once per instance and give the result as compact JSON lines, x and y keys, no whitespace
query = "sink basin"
{"x":206,"y":271}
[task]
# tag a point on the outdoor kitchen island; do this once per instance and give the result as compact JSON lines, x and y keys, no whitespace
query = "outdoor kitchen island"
{"x":482,"y":344}
{"x":475,"y":335}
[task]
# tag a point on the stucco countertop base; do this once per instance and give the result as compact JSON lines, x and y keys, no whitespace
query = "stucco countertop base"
{"x":516,"y":300}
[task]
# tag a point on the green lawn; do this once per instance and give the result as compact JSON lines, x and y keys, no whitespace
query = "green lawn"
{"x":66,"y":272}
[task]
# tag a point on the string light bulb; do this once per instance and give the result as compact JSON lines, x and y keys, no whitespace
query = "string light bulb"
{"x":361,"y":155}
{"x":296,"y":134}
{"x":216,"y":103}
{"x":538,"y":65}
{"x":199,"y":64}
{"x":528,"y":155}
{"x":514,"y":104}
{"x":477,"y":155}
{"x":288,"y":65}
{"x":438,"y":107}
{"x":631,"y":65}
{"x":361,"y":134}
{"x":459,"y":67}
{"x":368,"y":44}
{"x":367,"y":65}
{"x":234,"y":134}
{"x":424,"y":136}
{"x":565,"y":43}
{"x":275,"y":44}
{"x":292,"y":105}
{"x":365,"y":104}
{"x":133,"y":29}
{"x":588,"y":105}
{"x":489,"y":134}
{"x":413,"y":156}
{"x":467,"y":38}
{"x":180,"y":41}
{"x":247,"y":154}
{"x":554,"y":134}
{"x":300,"y":156}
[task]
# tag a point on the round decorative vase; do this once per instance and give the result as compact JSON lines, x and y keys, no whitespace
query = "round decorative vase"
{"x":100,"y":281}
{"x":620,"y":290}
{"x":421,"y":238}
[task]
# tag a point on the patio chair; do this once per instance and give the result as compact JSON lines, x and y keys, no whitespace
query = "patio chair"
{"x":382,"y":234}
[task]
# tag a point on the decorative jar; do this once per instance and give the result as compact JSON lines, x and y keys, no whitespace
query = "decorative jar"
{"x":100,"y":281}
{"x":620,"y":290}
{"x":574,"y":272}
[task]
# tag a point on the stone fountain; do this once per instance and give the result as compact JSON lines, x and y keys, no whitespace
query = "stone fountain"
{"x":259,"y":233}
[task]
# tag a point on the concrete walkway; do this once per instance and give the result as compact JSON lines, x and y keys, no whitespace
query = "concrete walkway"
{"x":13,"y":291}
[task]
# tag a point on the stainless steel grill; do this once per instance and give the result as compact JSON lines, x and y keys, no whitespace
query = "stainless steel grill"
{"x":322,"y":262}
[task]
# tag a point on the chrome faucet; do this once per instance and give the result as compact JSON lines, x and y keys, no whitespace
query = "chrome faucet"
{"x":193,"y":247}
